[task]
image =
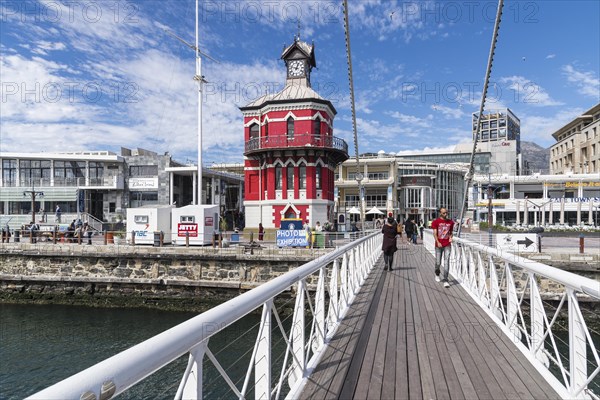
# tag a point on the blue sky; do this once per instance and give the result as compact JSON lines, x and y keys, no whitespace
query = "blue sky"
{"x":98,"y":75}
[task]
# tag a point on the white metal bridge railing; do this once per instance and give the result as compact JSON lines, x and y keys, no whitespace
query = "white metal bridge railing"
{"x":336,"y":279}
{"x":538,"y":307}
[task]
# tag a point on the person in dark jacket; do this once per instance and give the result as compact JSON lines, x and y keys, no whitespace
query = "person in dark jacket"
{"x":411,"y":231}
{"x":389,"y":242}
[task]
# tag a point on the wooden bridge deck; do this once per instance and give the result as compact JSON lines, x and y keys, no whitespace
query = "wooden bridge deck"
{"x":408,"y":337}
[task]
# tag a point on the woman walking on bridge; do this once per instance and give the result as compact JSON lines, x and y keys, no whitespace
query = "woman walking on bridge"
{"x":389,"y":242}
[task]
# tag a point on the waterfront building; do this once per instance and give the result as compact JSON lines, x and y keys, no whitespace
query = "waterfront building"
{"x":577,"y":147}
{"x":290,"y":151}
{"x":100,"y":185}
{"x":394,"y":185}
{"x":537,"y":200}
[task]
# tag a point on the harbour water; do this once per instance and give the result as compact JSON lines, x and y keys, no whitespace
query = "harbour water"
{"x":43,"y":344}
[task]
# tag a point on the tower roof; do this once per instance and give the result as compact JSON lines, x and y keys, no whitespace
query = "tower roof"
{"x":298,"y":46}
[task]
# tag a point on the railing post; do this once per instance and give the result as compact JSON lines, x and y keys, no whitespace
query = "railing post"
{"x":297,"y":337}
{"x":187,"y":239}
{"x":577,"y":345}
{"x":262,"y":362}
{"x":133,"y":238}
{"x":537,"y":321}
{"x":191,"y":384}
{"x":105,"y":238}
{"x":320,"y":311}
{"x":334,"y":305}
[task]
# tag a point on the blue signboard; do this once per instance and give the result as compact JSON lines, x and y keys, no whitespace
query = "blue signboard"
{"x":292,"y":234}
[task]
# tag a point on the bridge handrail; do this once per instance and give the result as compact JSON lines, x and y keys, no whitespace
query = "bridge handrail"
{"x":121,"y":371}
{"x":487,"y":274}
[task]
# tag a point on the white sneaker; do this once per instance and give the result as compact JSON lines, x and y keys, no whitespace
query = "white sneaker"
{"x":437,"y":278}
{"x":446,"y":285}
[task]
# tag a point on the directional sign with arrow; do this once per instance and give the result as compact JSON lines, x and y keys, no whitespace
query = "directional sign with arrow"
{"x":526,"y":242}
{"x":517,"y":242}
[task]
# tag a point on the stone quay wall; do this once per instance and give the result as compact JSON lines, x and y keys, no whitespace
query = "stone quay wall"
{"x":168,"y":277}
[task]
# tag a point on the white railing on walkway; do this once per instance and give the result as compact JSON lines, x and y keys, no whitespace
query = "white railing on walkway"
{"x":514,"y":292}
{"x":336,"y":279}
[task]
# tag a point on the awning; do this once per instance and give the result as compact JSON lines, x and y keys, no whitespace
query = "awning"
{"x":354,"y":210}
{"x":375,"y":210}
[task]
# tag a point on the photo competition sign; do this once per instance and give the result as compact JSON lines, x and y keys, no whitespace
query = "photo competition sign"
{"x":292,"y":234}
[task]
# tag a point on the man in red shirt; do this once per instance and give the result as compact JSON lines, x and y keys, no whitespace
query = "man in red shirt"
{"x":442,"y":233}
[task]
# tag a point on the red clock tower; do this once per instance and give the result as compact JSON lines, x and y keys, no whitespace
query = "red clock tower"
{"x":290,"y":151}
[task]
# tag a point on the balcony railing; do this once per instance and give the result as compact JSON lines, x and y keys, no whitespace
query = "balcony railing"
{"x":107,"y":181}
{"x":320,"y":141}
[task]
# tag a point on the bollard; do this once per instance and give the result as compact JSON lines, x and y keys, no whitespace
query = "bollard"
{"x":54,"y":235}
{"x":581,"y":243}
{"x":133,"y":238}
{"x":187,"y":239}
{"x":105,"y":238}
{"x":162,"y":238}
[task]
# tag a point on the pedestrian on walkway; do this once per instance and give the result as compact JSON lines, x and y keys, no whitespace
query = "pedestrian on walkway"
{"x":57,"y":214}
{"x":410,"y":229}
{"x":442,"y":233}
{"x":389,"y":243}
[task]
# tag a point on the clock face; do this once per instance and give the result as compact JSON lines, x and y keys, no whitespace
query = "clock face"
{"x":296,"y":68}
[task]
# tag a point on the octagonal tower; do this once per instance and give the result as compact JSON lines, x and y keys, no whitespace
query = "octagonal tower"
{"x":290,"y":151}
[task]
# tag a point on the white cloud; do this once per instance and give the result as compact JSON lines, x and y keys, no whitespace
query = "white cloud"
{"x":539,"y":128}
{"x":550,"y":56}
{"x":587,"y":82}
{"x":528,"y":92}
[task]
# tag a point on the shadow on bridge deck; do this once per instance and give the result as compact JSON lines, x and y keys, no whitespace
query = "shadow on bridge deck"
{"x":407,"y":336}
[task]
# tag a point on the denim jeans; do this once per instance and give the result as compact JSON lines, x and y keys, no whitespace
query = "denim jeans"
{"x":439,"y":251}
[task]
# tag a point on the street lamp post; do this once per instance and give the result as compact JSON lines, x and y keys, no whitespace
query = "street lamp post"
{"x":33,"y":195}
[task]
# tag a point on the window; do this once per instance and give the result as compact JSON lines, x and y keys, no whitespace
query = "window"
{"x":9,"y":172}
{"x":318,"y":177}
{"x":253,"y":131}
{"x":290,"y":177}
{"x":266,"y":128}
{"x":377,"y":176}
{"x":317,"y":127}
{"x":112,"y":207}
{"x":187,"y":218}
{"x":138,"y":199}
{"x":278,"y":177}
{"x":290,"y":128}
{"x":36,"y":171}
{"x":302,"y":177}
{"x":143,"y":170}
{"x":140,"y":219}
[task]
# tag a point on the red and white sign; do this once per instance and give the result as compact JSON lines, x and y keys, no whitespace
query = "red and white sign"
{"x":191,"y":229}
{"x":208,"y":221}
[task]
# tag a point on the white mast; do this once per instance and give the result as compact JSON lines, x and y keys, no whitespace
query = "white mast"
{"x":198,"y":78}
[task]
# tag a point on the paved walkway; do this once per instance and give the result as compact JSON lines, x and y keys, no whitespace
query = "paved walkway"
{"x":407,"y":337}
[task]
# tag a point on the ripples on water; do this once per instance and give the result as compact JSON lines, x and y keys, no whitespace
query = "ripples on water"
{"x":43,"y":344}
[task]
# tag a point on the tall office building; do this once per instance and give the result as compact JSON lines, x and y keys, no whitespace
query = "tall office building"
{"x":500,"y":135}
